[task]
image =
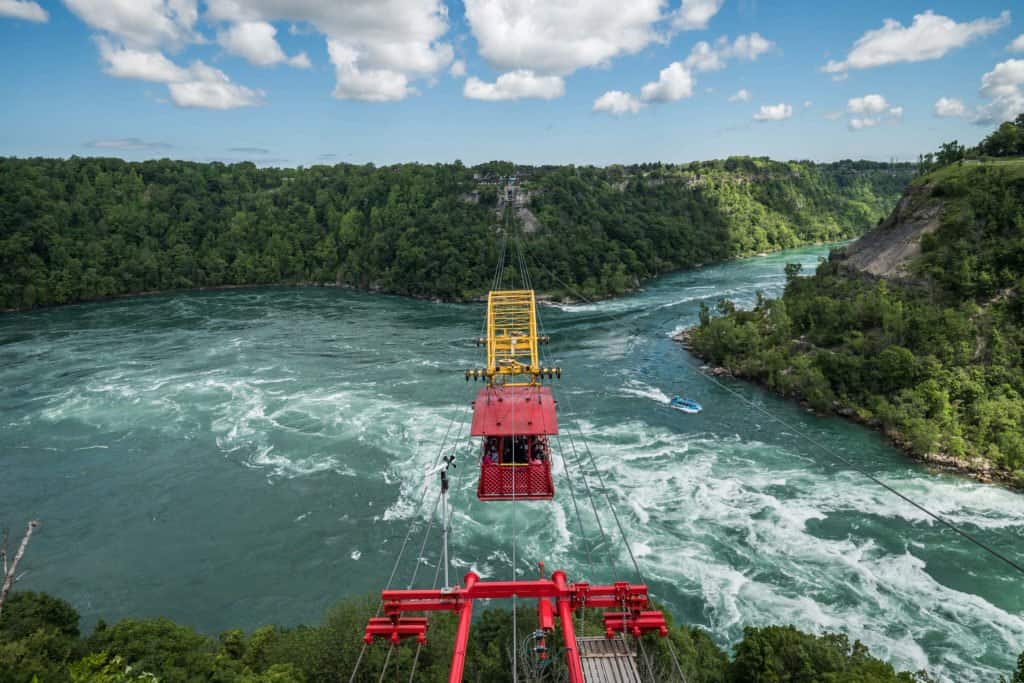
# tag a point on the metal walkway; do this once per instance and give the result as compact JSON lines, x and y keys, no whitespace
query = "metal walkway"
{"x":607,"y":660}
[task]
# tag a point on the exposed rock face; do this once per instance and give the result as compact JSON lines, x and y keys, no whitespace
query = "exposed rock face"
{"x":527,"y":220}
{"x":888,"y":250}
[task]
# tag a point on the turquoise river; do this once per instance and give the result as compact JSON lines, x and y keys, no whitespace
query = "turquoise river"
{"x":251,"y":456}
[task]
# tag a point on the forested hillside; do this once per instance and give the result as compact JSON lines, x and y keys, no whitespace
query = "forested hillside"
{"x":40,"y":642}
{"x":934,"y":357}
{"x":86,"y":228}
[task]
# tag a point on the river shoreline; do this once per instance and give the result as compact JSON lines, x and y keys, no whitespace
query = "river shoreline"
{"x":544,"y":298}
{"x":978,"y":469}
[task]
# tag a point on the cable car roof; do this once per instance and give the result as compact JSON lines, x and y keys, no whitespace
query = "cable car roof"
{"x":513,"y":411}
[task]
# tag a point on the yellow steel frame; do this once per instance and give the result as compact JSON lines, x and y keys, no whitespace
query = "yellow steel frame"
{"x":512,"y":337}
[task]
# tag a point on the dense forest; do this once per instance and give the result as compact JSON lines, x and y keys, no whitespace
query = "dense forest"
{"x":86,"y":228}
{"x":936,"y":359}
{"x":40,"y":642}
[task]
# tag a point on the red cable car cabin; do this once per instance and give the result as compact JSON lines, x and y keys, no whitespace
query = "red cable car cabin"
{"x":515,"y":458}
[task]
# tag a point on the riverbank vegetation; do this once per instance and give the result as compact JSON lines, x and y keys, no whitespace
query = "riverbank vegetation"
{"x":935,"y":359}
{"x":88,"y":228}
{"x":41,"y":642}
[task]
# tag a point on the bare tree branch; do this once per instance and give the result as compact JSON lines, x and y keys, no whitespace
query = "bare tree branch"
{"x":9,"y":577}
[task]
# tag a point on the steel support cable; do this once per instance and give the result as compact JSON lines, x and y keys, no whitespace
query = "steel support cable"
{"x":636,"y":566}
{"x":515,"y":653}
{"x":387,"y":660}
{"x":647,"y":659}
{"x":561,"y":449}
{"x":675,"y":660}
{"x":401,"y":551}
{"x":576,"y":508}
{"x":849,"y":463}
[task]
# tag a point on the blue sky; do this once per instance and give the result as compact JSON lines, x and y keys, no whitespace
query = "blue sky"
{"x":298,"y":82}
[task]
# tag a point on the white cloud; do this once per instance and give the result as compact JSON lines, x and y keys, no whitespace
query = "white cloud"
{"x":368,"y":85}
{"x":213,"y":94}
{"x":377,"y":48}
{"x":748,"y":47}
{"x":774,"y":112}
{"x":869,"y":104}
{"x":947,"y":107}
{"x":703,"y":57}
{"x":254,"y":41}
{"x":1017,"y":45}
{"x":515,"y":85}
{"x":1004,"y":86}
{"x":457,"y":69}
{"x":675,"y":82}
{"x":557,"y":37}
{"x":199,"y":85}
{"x":808,"y":104}
{"x":694,"y":15}
{"x":23,"y":9}
{"x":141,"y":23}
{"x":741,"y":95}
{"x":142,"y":65}
{"x":930,"y":36}
{"x":870,"y":110}
{"x":834,"y":115}
{"x":618,"y":103}
{"x":861,"y":124}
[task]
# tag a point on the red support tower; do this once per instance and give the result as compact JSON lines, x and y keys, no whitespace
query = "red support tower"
{"x":631,"y":598}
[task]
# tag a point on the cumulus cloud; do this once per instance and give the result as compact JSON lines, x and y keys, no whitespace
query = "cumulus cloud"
{"x":457,"y":69}
{"x":694,"y":15}
{"x":199,"y":85}
{"x":127,"y":144}
{"x":869,"y":104}
{"x":557,"y":37}
{"x":141,"y":23}
{"x":618,"y":103}
{"x":131,"y":43}
{"x":862,"y":123}
{"x":871,"y":110}
{"x":515,"y":85}
{"x":774,"y":112}
{"x":930,"y":36}
{"x":748,"y":47}
{"x":254,"y":41}
{"x":23,"y":9}
{"x":1017,"y":45}
{"x":1004,"y":87}
{"x":675,"y":82}
{"x":946,"y":107}
{"x":377,"y":49}
{"x":703,"y":57}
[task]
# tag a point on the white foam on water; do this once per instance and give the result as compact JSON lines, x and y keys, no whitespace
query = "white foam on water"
{"x":636,"y":388}
{"x":725,"y":524}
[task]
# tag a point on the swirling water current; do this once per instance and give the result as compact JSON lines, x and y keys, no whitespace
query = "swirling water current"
{"x":242,"y":457}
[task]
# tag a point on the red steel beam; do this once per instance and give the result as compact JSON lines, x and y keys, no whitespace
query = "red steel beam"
{"x":462,"y":634}
{"x":572,"y":656}
{"x":630,"y":598}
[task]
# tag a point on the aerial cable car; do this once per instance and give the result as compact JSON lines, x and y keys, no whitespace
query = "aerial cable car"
{"x":515,"y":413}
